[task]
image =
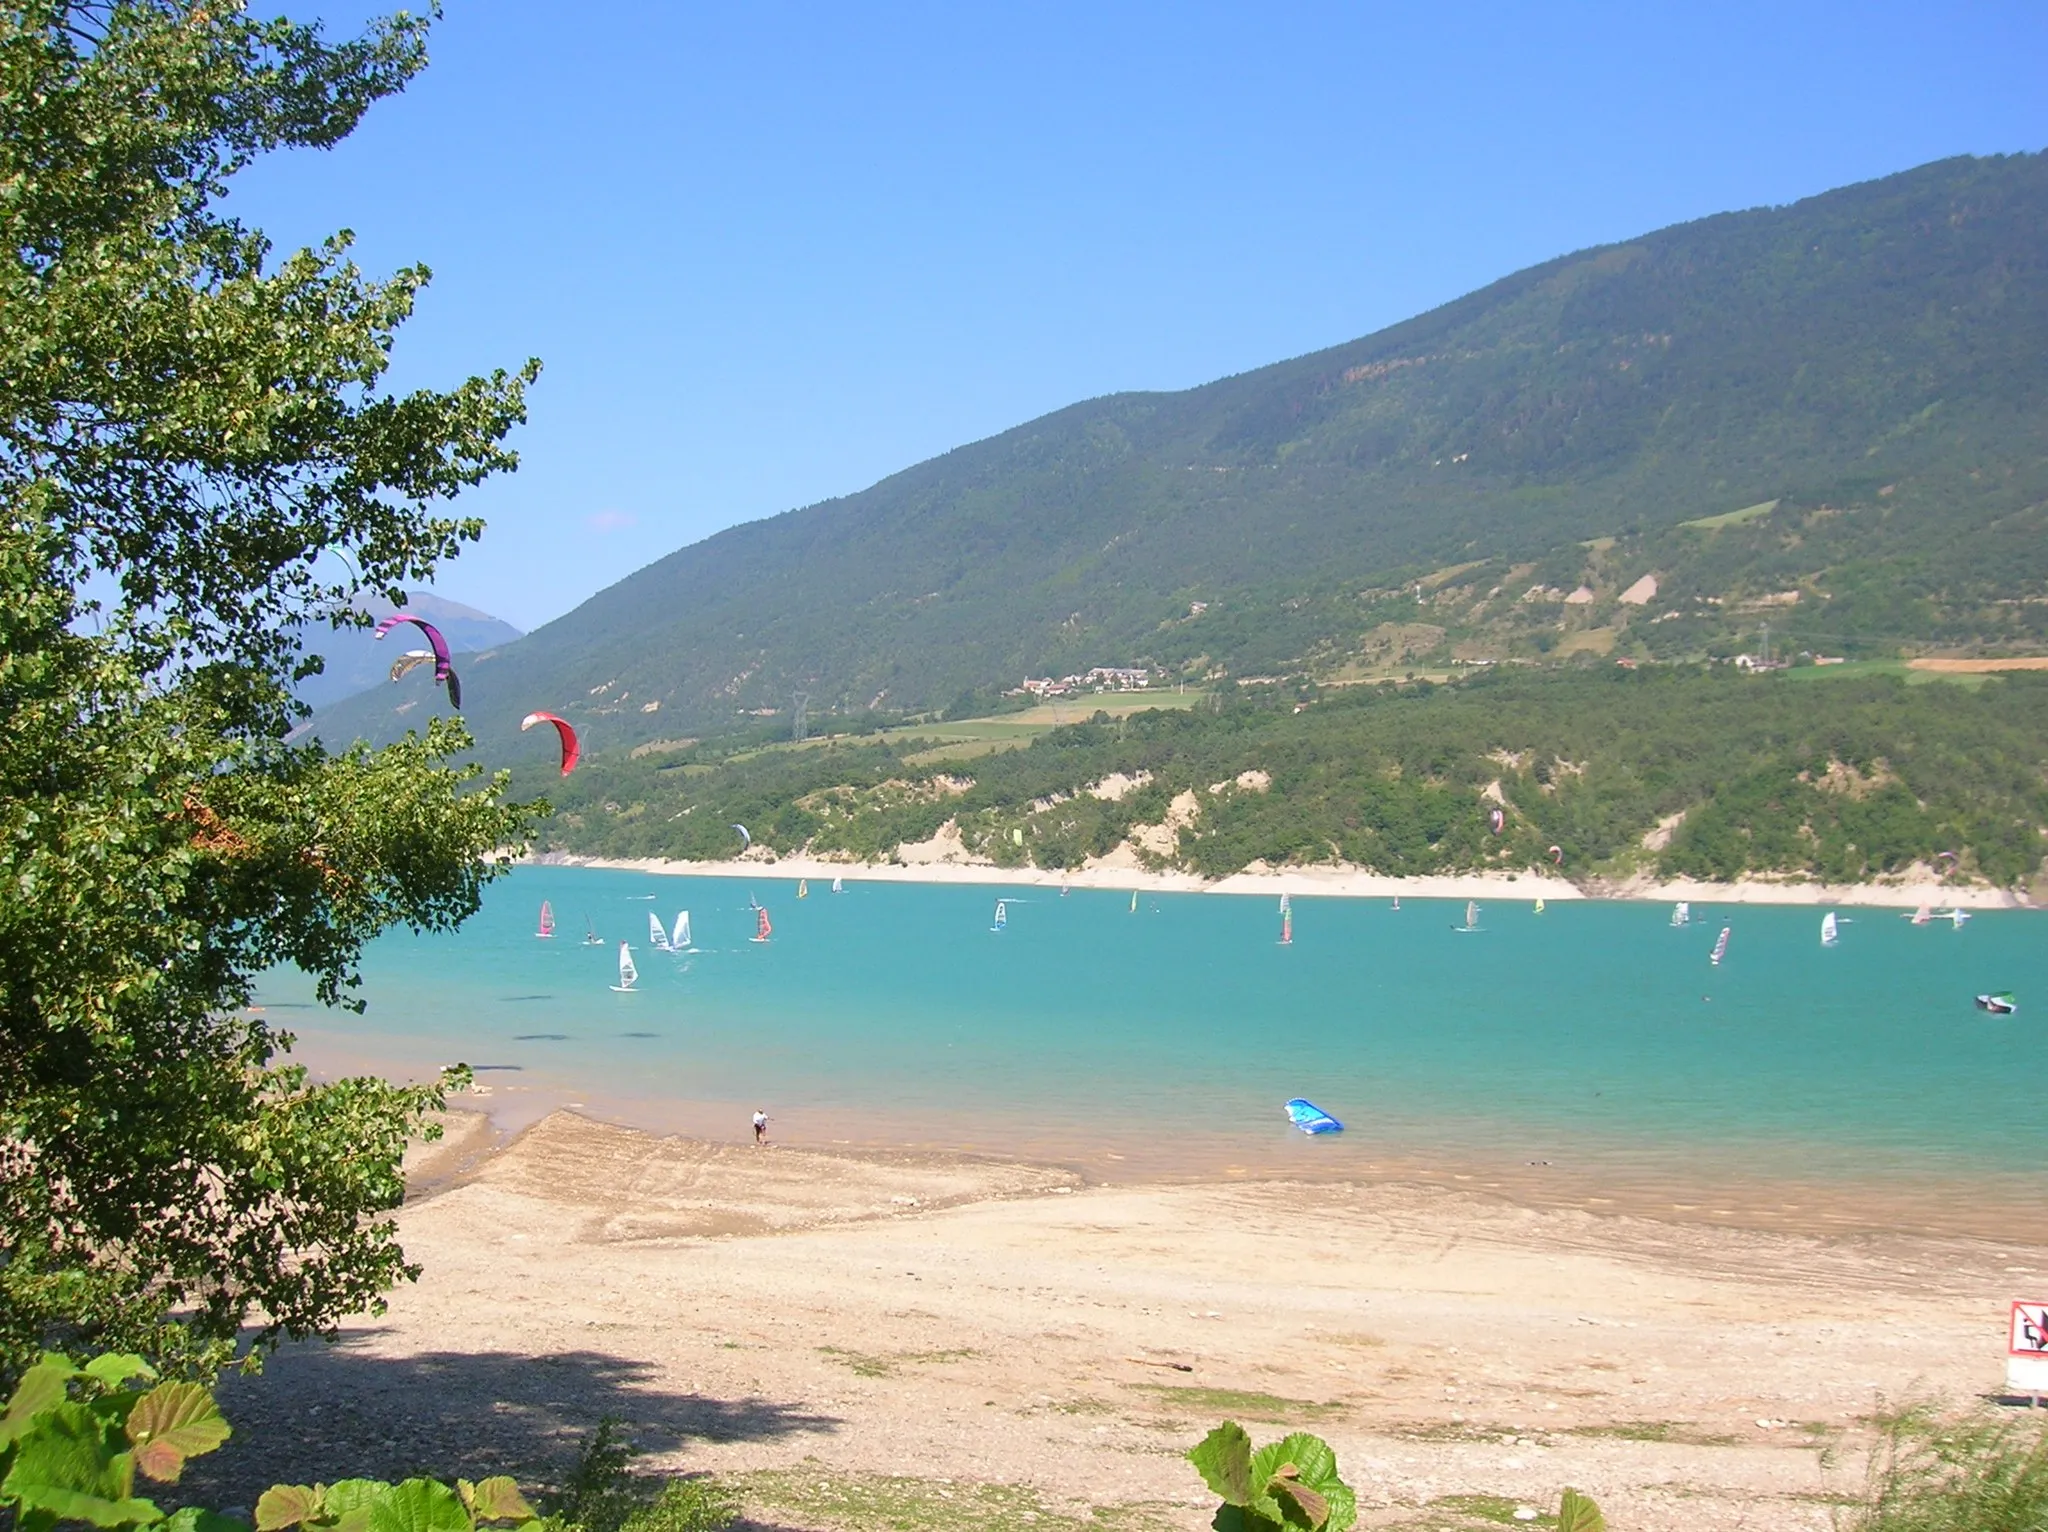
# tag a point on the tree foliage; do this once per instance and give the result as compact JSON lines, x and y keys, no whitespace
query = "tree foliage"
{"x":193,"y":432}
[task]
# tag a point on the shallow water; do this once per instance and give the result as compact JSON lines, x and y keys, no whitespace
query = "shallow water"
{"x":1591,"y":1047}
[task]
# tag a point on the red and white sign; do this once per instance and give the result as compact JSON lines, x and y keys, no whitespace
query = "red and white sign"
{"x":2026,"y":1348}
{"x":2029,"y":1330}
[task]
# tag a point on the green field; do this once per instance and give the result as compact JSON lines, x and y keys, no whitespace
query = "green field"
{"x":1864,"y":669}
{"x":1732,"y":518}
{"x":967,"y":738}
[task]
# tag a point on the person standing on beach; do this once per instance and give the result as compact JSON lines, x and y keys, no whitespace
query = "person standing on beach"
{"x":760,"y":1129}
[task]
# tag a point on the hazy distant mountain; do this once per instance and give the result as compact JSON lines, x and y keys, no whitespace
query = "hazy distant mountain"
{"x":357,"y":662}
{"x":1865,"y":373}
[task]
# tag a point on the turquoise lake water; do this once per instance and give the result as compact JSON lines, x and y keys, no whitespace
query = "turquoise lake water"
{"x":1594,"y":1036}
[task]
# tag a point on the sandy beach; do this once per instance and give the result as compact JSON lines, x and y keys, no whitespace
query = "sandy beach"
{"x":917,"y":1340}
{"x":1122,"y":872}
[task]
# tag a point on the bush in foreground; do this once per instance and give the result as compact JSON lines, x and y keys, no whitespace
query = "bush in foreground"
{"x":1971,"y":1475}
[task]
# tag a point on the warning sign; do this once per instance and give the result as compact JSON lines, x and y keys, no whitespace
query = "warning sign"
{"x":2026,"y":1361}
{"x":2029,"y":1330}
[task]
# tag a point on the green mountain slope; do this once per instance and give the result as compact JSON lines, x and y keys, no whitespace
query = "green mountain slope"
{"x":1873,"y":360}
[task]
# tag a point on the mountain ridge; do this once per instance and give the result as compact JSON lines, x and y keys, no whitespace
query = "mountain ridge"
{"x":1873,"y":359}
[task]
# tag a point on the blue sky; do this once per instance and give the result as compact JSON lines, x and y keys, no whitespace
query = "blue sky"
{"x":772,"y":252}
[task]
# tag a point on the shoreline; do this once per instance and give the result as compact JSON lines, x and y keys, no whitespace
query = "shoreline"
{"x":1311,"y":882}
{"x":1718,"y":1195}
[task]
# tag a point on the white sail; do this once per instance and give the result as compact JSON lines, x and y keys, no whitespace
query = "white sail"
{"x":1921,"y":916}
{"x":1538,"y":907}
{"x":1285,"y":904}
{"x":1681,"y":914}
{"x":628,"y":974}
{"x":1471,"y":914}
{"x":1720,"y":947}
{"x":1002,"y":914}
{"x":657,"y":938}
{"x":681,"y":940}
{"x":838,"y":885}
{"x":1827,"y":929}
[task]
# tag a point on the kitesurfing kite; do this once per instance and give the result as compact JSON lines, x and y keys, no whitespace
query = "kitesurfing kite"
{"x":1498,"y":820}
{"x":409,"y":661}
{"x":1557,"y":856}
{"x":570,"y":749}
{"x":746,"y":840}
{"x":444,"y":670}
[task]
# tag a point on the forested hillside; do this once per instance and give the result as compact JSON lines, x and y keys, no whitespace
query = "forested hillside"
{"x":1681,"y":770}
{"x":1863,"y":374}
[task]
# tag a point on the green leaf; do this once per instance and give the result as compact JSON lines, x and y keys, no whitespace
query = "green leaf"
{"x":1343,"y":1506}
{"x":498,"y":1499}
{"x":117,"y":1367}
{"x":196,"y":1519}
{"x":67,"y":1446}
{"x":1299,"y":1505}
{"x":419,"y":1505}
{"x":173,"y":1422}
{"x":1297,"y":1478}
{"x":1224,"y":1460}
{"x":286,"y":1505}
{"x":1241,"y":1518}
{"x":70,"y":1505}
{"x":69,"y":1462}
{"x":350,"y":1502}
{"x":1314,"y":1462}
{"x":41,"y":1387}
{"x":1577,"y":1513}
{"x":346,"y":1495}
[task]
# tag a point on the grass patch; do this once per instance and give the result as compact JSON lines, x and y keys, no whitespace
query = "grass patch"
{"x":1467,"y":1513}
{"x":1237,"y":1402}
{"x":862,"y":1364}
{"x":1449,"y":1431}
{"x":962,"y":750}
{"x":813,"y":1495}
{"x":868,"y":1364}
{"x":1496,"y":1510}
{"x":1732,"y":518}
{"x":1678,"y":1432}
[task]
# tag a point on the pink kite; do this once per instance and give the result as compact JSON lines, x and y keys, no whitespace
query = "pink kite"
{"x":444,"y":670}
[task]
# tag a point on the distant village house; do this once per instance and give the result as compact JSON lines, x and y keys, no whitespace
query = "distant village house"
{"x":1102,"y":678}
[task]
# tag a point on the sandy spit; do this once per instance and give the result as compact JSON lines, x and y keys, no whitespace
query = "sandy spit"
{"x":1339,"y":882}
{"x":806,"y":1323}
